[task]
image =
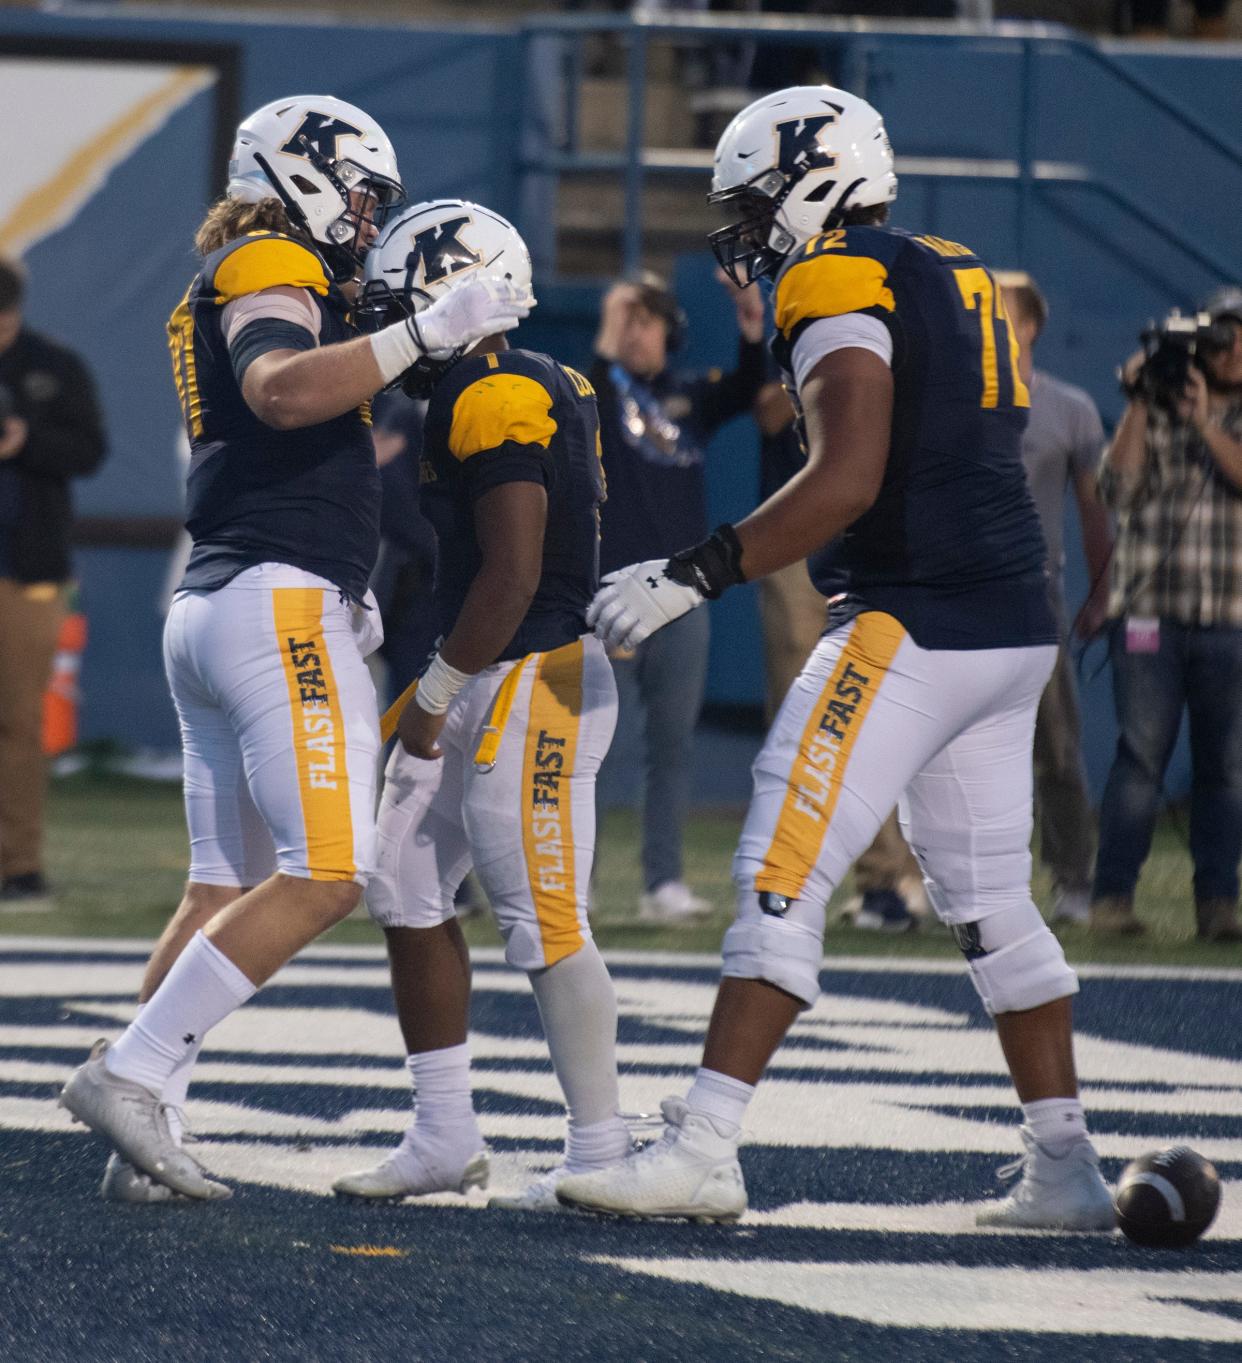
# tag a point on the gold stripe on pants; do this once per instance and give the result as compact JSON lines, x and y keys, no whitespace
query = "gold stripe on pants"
{"x":547,"y":816}
{"x":318,"y":732}
{"x":818,"y":770}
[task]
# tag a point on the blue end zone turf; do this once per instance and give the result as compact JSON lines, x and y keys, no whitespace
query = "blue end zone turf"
{"x":885,"y":1115}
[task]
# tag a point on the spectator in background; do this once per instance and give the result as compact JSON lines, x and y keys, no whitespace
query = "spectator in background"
{"x":792,"y":612}
{"x":1061,"y":448}
{"x":1151,"y":18}
{"x":794,"y":615}
{"x":50,"y":432}
{"x":655,"y":422}
{"x":1173,"y":474}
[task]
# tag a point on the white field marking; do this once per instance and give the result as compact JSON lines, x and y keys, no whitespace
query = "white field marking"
{"x":314,"y":1169}
{"x":829,"y":1116}
{"x":944,"y":1218}
{"x":800,"y":1095}
{"x":494,"y":956}
{"x":948,"y":1297}
{"x":876,"y":1033}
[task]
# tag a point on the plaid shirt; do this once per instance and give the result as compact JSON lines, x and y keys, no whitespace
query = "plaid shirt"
{"x":1179,"y":529}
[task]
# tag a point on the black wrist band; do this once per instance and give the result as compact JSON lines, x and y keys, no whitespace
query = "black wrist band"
{"x":711,"y":566}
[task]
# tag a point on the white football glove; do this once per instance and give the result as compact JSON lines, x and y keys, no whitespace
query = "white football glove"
{"x":634,"y":602}
{"x":482,"y":307}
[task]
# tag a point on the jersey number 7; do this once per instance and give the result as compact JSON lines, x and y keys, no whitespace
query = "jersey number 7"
{"x":980,"y":295}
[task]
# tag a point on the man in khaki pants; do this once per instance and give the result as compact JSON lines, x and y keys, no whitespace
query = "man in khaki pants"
{"x":50,"y":432}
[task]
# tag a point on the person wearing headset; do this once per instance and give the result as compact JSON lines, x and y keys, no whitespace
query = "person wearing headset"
{"x":1173,"y":476}
{"x":655,"y":423}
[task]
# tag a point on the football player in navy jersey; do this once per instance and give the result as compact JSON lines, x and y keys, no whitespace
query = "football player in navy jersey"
{"x":506,"y":728}
{"x":266,"y":637}
{"x":914,"y":510}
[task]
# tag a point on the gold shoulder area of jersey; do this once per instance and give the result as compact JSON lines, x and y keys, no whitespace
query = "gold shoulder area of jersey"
{"x":828,"y":282}
{"x":498,"y":407}
{"x":268,"y":263}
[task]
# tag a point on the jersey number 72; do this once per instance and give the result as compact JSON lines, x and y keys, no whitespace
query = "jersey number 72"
{"x":980,"y":295}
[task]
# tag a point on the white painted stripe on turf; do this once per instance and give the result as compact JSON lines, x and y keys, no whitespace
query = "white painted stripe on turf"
{"x":943,"y":1218}
{"x":948,"y":1297}
{"x":494,"y":956}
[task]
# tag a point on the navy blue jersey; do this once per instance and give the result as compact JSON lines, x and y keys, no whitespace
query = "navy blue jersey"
{"x":952,"y":546}
{"x":308,"y":497}
{"x":516,"y":417}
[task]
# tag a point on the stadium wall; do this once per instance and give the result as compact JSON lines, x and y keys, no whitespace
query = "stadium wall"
{"x":141,"y":112}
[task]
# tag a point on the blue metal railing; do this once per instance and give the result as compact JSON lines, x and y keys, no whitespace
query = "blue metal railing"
{"x":855,"y":41}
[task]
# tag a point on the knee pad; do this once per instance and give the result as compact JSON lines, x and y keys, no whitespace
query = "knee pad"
{"x":776,"y":948}
{"x":523,"y":944}
{"x":1015,"y":961}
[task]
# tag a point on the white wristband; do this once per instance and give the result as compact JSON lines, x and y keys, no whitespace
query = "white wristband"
{"x":438,"y":685}
{"x":395,"y":350}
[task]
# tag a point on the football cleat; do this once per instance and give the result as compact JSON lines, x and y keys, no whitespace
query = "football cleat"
{"x":413,"y":1172}
{"x":690,"y":1173}
{"x":1064,"y":1192}
{"x":884,"y":911}
{"x":672,"y":903}
{"x":123,"y":1183}
{"x":133,"y":1119}
{"x":538,"y":1196}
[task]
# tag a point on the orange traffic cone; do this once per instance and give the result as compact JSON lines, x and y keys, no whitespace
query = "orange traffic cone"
{"x":60,"y":700}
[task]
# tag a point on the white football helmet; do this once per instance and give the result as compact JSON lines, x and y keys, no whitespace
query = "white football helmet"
{"x":312,"y":152}
{"x":425,"y":252}
{"x":794,"y":162}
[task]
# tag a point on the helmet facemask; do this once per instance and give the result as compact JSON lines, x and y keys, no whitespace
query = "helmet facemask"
{"x":754,"y":245}
{"x":366,"y":200}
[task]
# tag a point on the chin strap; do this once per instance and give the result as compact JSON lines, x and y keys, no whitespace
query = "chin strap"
{"x":339,"y":259}
{"x":292,"y":208}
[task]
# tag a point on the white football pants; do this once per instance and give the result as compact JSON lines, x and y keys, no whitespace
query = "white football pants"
{"x":874,"y":721}
{"x":279,"y":726}
{"x":526,"y":822}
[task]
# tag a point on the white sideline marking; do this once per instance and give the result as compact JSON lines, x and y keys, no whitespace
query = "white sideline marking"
{"x":948,"y":1297}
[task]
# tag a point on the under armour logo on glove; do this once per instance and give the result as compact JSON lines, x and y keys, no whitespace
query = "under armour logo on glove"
{"x":634,"y":602}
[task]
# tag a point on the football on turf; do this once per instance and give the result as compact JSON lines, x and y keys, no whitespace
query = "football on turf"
{"x":1167,"y":1198}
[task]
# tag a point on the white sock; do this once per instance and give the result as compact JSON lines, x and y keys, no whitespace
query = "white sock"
{"x":578,"y":1008}
{"x":442,"y":1100}
{"x":722,"y":1098}
{"x":597,"y":1145}
{"x":202,"y":988}
{"x":1055,"y":1123}
{"x":176,"y":1086}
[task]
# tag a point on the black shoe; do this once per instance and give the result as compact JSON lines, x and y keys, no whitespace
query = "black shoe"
{"x":28,"y":893}
{"x":884,"y":911}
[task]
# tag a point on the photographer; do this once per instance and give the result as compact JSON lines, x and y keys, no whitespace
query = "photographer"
{"x":1173,"y":475}
{"x":49,"y":432}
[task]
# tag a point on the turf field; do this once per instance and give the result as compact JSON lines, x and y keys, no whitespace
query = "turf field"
{"x":117,"y":855}
{"x":883,"y":1118}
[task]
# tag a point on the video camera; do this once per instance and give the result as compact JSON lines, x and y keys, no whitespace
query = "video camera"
{"x":1171,"y":347}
